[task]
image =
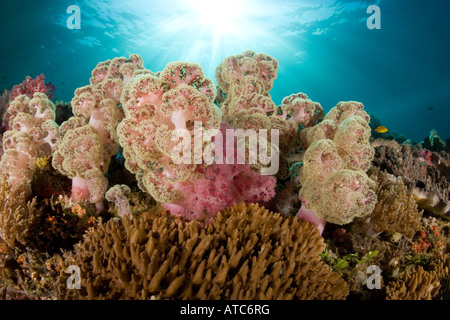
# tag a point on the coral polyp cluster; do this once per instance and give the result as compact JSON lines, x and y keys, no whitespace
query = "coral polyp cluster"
{"x":155,"y":185}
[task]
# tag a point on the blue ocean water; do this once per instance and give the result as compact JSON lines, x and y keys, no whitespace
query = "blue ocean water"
{"x":401,"y":72}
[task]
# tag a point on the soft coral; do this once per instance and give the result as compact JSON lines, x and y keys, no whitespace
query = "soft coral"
{"x":29,"y":86}
{"x":220,"y":186}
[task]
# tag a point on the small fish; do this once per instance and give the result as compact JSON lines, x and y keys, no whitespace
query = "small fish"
{"x":430,"y":108}
{"x":381,"y":129}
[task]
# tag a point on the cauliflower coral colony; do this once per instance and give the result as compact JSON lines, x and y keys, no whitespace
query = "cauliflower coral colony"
{"x":93,"y":185}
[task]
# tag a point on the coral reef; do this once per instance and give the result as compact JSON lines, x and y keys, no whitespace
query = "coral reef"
{"x":130,"y":183}
{"x":396,"y":237}
{"x":433,"y":142}
{"x":238,"y":256}
{"x":396,"y":210}
{"x":22,"y":220}
{"x":426,"y":173}
{"x":156,"y":108}
{"x":32,"y":234}
{"x":420,"y":284}
{"x":17,"y":216}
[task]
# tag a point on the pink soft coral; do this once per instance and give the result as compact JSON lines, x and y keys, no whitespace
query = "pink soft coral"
{"x":155,"y":107}
{"x":29,"y":86}
{"x":220,"y":186}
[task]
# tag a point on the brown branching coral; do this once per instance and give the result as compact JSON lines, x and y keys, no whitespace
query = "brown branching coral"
{"x":17,"y":215}
{"x":246,"y":252}
{"x":407,"y":243}
{"x":43,"y":224}
{"x":395,"y":214}
{"x":396,"y":210}
{"x":420,"y":284}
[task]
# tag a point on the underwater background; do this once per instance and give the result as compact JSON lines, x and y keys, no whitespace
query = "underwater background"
{"x":98,"y":100}
{"x":399,"y":72}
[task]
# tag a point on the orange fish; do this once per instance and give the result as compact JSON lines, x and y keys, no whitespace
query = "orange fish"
{"x":381,"y":129}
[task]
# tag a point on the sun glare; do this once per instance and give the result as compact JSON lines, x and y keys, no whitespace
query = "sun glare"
{"x":207,"y":30}
{"x":222,"y":17}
